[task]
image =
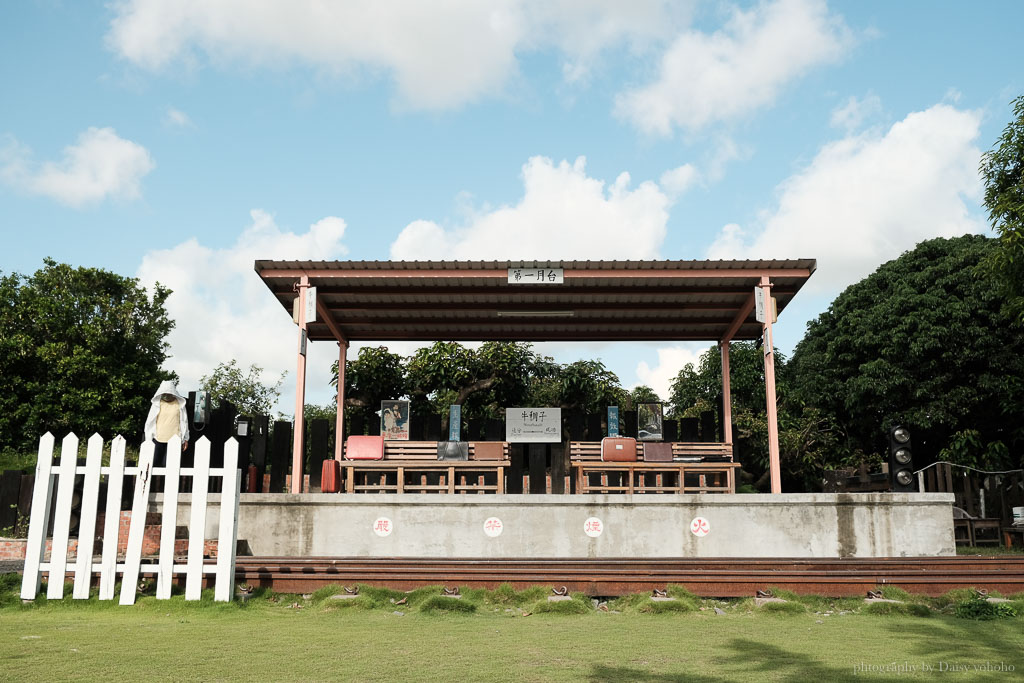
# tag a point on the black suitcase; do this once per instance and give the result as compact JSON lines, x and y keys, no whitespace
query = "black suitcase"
{"x":453,"y":450}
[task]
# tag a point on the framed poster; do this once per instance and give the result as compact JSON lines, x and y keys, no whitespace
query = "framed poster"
{"x":394,"y":420}
{"x":533,"y":425}
{"x":648,"y":417}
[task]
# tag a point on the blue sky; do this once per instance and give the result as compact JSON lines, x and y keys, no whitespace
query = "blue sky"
{"x":179,"y":140}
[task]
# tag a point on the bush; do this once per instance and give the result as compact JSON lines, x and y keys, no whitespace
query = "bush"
{"x":980,"y":609}
{"x":580,"y":604}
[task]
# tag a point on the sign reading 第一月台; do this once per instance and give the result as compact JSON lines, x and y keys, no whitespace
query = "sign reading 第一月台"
{"x":533,"y":425}
{"x":536,"y":276}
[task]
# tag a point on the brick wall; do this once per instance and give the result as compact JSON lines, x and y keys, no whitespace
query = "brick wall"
{"x":14,"y":548}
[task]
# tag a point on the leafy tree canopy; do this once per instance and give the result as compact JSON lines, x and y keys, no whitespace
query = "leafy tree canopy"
{"x":1002,"y":169}
{"x":246,"y":390}
{"x":81,"y":350}
{"x":922,"y":341}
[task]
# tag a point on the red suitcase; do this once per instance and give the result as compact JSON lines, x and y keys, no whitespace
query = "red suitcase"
{"x":657,"y":452}
{"x":364,"y":448}
{"x":618,"y":449}
{"x":330,"y":476}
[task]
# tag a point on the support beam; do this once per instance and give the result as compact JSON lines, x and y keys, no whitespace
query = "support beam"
{"x":339,"y":424}
{"x":298,"y":450}
{"x":769,"y":388}
{"x":741,"y":317}
{"x":726,"y":394}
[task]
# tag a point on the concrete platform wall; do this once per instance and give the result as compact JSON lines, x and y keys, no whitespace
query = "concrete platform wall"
{"x":552,"y":526}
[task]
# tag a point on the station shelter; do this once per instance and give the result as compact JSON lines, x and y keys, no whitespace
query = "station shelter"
{"x":536,"y":301}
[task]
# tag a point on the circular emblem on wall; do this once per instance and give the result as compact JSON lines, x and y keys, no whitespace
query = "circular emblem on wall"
{"x":493,"y":527}
{"x":382,"y":526}
{"x":593,"y":527}
{"x":700,"y":527}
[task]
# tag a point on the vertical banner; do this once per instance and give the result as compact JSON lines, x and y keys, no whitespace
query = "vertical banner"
{"x":454,"y":423}
{"x":613,"y":420}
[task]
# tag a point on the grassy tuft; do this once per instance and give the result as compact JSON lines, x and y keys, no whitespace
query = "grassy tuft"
{"x":580,"y":604}
{"x":507,"y":596}
{"x":440,"y":604}
{"x":910,"y":609}
{"x":783,"y":607}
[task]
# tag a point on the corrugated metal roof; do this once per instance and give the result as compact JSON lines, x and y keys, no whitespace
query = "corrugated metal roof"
{"x":598,"y":301}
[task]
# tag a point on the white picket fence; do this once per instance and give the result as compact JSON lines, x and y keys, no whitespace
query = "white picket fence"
{"x":61,"y":477}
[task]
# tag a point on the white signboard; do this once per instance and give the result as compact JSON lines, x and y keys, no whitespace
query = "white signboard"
{"x":759,"y":305}
{"x":533,"y":425}
{"x":536,"y":276}
{"x":310,"y":304}
{"x":593,"y":527}
{"x":493,"y":527}
{"x":700,"y":527}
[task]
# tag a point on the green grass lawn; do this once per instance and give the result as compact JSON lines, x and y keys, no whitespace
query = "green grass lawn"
{"x":491,"y":638}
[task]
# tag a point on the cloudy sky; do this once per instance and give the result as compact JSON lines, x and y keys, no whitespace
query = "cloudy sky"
{"x":179,"y":140}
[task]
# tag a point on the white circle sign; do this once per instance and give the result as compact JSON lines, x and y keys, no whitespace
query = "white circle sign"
{"x":700,"y":527}
{"x":593,"y":527}
{"x":493,"y":527}
{"x":382,"y":526}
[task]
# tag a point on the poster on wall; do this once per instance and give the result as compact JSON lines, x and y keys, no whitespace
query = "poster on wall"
{"x":533,"y":425}
{"x":394,"y":420}
{"x":648,"y":417}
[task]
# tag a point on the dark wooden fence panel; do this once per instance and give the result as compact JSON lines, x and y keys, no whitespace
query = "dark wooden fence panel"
{"x":319,"y":436}
{"x":280,"y":455}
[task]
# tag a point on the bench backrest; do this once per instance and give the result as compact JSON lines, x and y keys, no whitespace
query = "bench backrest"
{"x":587,"y":451}
{"x":425,"y":450}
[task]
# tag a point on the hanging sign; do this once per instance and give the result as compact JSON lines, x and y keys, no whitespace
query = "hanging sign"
{"x":533,"y":425}
{"x":310,"y":304}
{"x":536,"y":276}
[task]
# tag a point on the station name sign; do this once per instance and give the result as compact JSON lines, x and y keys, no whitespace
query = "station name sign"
{"x":536,"y":276}
{"x":533,"y":425}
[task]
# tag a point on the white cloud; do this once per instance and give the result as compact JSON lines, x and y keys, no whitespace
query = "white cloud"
{"x":98,"y":166}
{"x":224,"y":311}
{"x":678,"y":180}
{"x":563,"y":214}
{"x":671,"y":360}
{"x":176,"y":117}
{"x":705,"y":78}
{"x":867,"y":198}
{"x":439,"y":54}
{"x":852,"y":114}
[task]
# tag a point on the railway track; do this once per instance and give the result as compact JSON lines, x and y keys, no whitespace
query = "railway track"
{"x":711,"y":578}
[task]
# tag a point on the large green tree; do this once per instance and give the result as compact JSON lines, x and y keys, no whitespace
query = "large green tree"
{"x":81,"y":350}
{"x":1002,"y":169}
{"x":922,"y":341}
{"x":245,"y":389}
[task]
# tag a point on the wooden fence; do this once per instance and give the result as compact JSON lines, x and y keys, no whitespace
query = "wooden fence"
{"x":59,"y":478}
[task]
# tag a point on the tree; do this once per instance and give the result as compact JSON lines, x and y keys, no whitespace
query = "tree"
{"x":1002,"y":169}
{"x":641,"y":394}
{"x":922,"y":341}
{"x":374,"y":375}
{"x":249,"y":394}
{"x":81,"y":350}
{"x":589,"y":386}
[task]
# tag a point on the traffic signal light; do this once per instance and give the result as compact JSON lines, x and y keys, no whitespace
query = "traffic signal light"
{"x":901,"y":461}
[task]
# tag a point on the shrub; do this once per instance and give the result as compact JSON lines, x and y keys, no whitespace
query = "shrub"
{"x":980,"y":609}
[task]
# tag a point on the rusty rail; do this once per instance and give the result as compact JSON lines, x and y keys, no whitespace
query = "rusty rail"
{"x":712,"y":578}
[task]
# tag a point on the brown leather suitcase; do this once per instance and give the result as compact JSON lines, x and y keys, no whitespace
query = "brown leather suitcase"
{"x":364,"y":448}
{"x":488,"y":450}
{"x":657,"y":452}
{"x":330,"y":476}
{"x":618,"y":449}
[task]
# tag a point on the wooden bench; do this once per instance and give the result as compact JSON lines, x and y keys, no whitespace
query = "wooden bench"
{"x":413,"y":467}
{"x":592,"y":475}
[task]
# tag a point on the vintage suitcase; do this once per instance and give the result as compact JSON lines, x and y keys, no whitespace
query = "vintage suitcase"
{"x":330,"y":476}
{"x":364,"y":448}
{"x":453,"y":450}
{"x":488,"y":450}
{"x":618,"y":449}
{"x":657,"y":452}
